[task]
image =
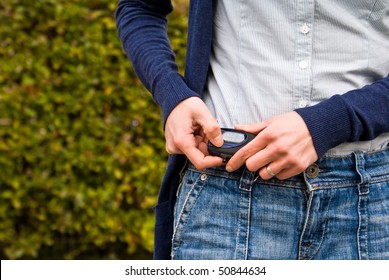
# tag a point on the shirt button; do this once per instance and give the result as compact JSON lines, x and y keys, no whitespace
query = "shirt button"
{"x":303,"y":64}
{"x":305,"y":29}
{"x":303,"y":103}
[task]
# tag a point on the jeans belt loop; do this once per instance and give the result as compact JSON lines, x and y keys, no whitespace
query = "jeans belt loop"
{"x":246,"y":180}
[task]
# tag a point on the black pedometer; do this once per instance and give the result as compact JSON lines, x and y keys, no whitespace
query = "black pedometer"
{"x":233,"y":141}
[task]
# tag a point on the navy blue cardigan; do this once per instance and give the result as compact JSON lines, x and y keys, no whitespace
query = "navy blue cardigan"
{"x":357,"y":115}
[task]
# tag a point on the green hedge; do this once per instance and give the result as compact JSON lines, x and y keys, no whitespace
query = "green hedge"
{"x":82,"y":151}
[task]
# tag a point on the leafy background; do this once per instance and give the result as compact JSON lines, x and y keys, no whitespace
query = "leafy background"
{"x":82,"y":150}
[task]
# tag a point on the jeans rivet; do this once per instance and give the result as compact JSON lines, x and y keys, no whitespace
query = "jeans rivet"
{"x":312,"y":171}
{"x":203,"y":177}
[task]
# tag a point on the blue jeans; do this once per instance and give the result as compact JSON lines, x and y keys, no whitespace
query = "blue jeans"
{"x":337,"y":209}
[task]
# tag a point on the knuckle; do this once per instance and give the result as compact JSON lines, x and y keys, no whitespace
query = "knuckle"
{"x":245,"y":153}
{"x":297,"y":164}
{"x":211,"y":129}
{"x":176,"y":142}
{"x":281,"y":177}
{"x":270,"y":136}
{"x":300,"y":167}
{"x":172,"y":147}
{"x":200,"y":166}
{"x":281,"y":150}
{"x":264,"y":175}
{"x":278,"y":148}
{"x":251,"y":166}
{"x":168,"y":149}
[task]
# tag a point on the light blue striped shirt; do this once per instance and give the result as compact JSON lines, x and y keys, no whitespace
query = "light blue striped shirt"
{"x":271,"y":57}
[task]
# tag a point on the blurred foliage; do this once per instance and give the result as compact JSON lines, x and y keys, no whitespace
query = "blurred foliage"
{"x":82,"y":151}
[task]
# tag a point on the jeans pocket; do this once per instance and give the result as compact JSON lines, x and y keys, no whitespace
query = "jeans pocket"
{"x":188,"y":195}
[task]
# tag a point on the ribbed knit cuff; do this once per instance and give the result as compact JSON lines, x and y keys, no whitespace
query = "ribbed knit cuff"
{"x":328,"y":122}
{"x":171,"y":91}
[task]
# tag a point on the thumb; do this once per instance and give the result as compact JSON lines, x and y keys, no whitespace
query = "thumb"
{"x":212,"y":129}
{"x":218,"y":139}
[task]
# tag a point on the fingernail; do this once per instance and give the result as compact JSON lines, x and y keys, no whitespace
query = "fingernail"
{"x":229,"y":169}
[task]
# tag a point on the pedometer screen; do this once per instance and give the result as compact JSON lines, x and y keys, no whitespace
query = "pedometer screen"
{"x":233,"y":137}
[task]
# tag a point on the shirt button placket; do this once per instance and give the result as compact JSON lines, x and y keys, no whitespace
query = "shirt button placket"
{"x":303,"y":55}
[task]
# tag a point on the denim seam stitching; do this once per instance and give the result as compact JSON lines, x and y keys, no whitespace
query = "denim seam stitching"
{"x":325,"y":226}
{"x":359,"y":229}
{"x":308,"y":249}
{"x":216,"y":173}
{"x":305,"y":226}
{"x":248,"y":226}
{"x":238,"y":228}
{"x":362,"y":199}
{"x":351,"y":184}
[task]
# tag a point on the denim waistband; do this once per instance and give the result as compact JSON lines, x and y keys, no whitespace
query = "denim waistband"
{"x":328,"y":172}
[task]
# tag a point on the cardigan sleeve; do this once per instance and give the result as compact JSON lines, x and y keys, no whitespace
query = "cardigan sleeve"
{"x":142,"y":28}
{"x":357,"y":115}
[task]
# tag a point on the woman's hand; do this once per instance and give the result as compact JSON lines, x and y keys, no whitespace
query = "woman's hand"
{"x":282,"y":148}
{"x":188,"y":128}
